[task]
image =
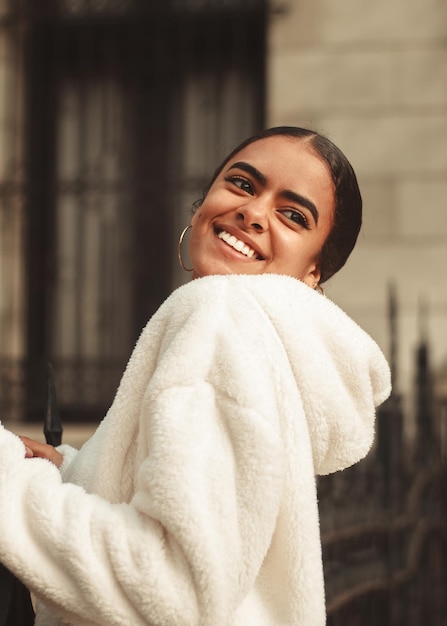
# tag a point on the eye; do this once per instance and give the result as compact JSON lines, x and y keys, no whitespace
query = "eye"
{"x":296,"y":216}
{"x":241,"y":183}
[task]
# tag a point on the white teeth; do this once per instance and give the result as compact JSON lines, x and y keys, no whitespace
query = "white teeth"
{"x":237,"y":244}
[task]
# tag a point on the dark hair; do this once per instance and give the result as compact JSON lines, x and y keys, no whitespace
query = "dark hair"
{"x":348,"y":200}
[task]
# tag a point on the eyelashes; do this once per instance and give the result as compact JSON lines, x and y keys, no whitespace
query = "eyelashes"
{"x":292,"y":214}
{"x":241,"y":183}
{"x":297,"y":217}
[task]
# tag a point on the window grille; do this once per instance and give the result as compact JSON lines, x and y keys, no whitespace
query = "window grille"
{"x":121,"y":123}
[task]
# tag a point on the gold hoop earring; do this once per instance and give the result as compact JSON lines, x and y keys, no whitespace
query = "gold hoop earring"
{"x":179,"y":249}
{"x":319,"y":288}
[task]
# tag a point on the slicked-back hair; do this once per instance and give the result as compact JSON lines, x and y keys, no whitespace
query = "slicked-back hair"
{"x":348,"y":200}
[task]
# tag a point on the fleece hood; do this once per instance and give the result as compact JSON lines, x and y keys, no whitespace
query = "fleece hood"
{"x":194,"y":502}
{"x":340,"y":371}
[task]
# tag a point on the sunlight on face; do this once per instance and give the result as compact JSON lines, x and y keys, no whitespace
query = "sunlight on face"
{"x":270,"y":210}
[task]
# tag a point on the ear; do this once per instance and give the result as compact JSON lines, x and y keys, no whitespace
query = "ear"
{"x":196,"y":210}
{"x":313,"y":275}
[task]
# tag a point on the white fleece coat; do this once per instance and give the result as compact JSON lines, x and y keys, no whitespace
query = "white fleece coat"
{"x":194,"y":503}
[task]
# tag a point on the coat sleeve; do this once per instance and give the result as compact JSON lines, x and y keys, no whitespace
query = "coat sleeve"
{"x":188,"y":546}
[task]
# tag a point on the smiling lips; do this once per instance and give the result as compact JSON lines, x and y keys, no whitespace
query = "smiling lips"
{"x":238,"y":245}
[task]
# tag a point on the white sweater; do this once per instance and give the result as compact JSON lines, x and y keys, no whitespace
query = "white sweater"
{"x":194,"y":503}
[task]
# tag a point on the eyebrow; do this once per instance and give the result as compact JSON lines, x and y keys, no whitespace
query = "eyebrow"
{"x":286,"y":193}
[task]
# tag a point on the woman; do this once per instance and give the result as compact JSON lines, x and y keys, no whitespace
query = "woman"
{"x":195,"y":500}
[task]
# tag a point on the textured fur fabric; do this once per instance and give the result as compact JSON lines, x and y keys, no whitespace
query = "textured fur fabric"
{"x":194,"y":503}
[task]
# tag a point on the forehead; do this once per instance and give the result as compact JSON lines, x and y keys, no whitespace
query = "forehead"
{"x":280,"y":149}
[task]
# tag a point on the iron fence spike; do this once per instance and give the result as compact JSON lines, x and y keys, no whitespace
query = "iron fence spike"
{"x":52,"y":424}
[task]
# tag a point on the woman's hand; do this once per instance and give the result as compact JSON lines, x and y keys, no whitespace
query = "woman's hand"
{"x":43,"y":450}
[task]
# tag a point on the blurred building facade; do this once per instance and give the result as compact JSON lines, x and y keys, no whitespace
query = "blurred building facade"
{"x":113,"y":115}
{"x":371,"y":75}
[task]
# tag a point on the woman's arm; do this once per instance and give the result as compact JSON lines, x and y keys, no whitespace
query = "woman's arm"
{"x":184,"y":551}
{"x":189,"y":545}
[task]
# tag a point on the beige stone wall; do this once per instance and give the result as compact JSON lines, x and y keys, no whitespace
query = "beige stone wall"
{"x":373,"y":77}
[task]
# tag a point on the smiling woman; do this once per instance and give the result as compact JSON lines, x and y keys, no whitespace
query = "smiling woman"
{"x":283,"y":174}
{"x":194,"y":503}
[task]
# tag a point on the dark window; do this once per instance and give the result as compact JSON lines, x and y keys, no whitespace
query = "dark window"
{"x":126,"y":117}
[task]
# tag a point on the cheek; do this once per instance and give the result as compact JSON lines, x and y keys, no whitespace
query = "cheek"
{"x":197,"y":223}
{"x":196,"y":217}
{"x":197,"y":238}
{"x":193,"y":242}
{"x":298,"y":252}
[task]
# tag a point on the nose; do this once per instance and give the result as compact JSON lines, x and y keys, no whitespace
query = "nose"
{"x":254,"y":215}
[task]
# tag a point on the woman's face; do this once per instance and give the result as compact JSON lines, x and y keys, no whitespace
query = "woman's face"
{"x":270,"y":210}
